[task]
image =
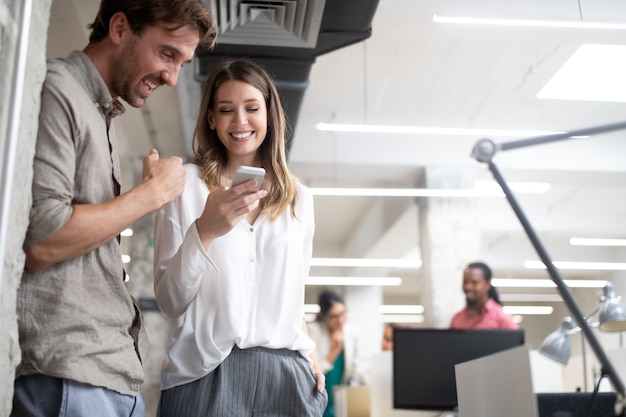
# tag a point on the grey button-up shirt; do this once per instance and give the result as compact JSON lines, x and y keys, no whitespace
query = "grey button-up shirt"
{"x":77,"y":319}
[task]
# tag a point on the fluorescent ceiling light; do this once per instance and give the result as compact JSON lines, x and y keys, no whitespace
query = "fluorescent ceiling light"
{"x":403,"y":318}
{"x":545,"y":283}
{"x":591,"y":266}
{"x":311,"y":308}
{"x":481,"y":189}
{"x":529,"y":23}
{"x":125,"y":259}
{"x":367,"y":262}
{"x":429,"y":130}
{"x":401,"y":309}
{"x":355,"y":281}
{"x":525,"y":298}
{"x":528,"y":310}
{"x":588,"y":241}
{"x":593,"y":73}
{"x":127,"y":232}
{"x":404,"y":192}
{"x":383,"y":309}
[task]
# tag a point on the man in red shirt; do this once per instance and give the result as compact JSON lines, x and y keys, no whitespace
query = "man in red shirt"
{"x":483,"y":309}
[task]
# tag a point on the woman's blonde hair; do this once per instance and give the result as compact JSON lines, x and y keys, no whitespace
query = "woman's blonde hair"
{"x":210,"y":154}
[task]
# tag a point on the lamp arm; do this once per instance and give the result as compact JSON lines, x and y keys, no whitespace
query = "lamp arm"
{"x":484,"y":151}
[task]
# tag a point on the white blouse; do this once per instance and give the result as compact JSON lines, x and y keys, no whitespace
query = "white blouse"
{"x":248,"y":290}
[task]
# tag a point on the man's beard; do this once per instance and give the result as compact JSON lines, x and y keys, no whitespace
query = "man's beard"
{"x":471,"y":301}
{"x":125,"y":74}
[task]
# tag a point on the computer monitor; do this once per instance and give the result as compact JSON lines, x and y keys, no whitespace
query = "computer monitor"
{"x":423,"y":362}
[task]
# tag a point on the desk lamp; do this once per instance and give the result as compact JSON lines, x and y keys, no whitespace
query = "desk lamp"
{"x":612,"y":312}
{"x":484,"y":151}
{"x":557,"y":346}
{"x":612,"y":318}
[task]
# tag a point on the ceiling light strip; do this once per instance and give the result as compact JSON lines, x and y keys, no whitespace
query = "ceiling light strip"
{"x":590,"y":266}
{"x":528,"y":310}
{"x":588,"y":241}
{"x":429,"y":130}
{"x":356,"y":281}
{"x":368,"y":262}
{"x":404,"y":192}
{"x":405,"y":309}
{"x":481,"y":189}
{"x":403,"y":318}
{"x":527,"y":298}
{"x":401,"y":309}
{"x":561,"y":24}
{"x":545,"y":283}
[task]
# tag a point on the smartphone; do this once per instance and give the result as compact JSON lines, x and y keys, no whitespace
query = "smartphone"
{"x":245,"y":173}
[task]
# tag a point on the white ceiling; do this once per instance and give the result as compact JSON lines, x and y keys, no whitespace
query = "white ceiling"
{"x":415,"y":72}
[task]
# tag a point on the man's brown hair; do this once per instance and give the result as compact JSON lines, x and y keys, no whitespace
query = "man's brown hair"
{"x":173,"y":14}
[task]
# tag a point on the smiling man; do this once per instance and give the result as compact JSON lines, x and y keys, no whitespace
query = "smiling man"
{"x":80,"y":331}
{"x":483,"y":309}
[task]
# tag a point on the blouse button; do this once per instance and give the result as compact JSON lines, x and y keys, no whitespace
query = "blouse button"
{"x":252,"y":229}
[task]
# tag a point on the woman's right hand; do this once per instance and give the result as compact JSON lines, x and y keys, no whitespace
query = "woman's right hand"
{"x":224,"y":208}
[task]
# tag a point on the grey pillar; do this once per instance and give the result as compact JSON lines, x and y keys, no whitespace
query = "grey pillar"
{"x":450,"y":238}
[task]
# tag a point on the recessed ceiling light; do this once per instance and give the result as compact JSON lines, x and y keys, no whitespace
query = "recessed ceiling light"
{"x":592,"y":73}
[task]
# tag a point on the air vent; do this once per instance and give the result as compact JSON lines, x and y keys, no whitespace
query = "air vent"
{"x":285,"y":23}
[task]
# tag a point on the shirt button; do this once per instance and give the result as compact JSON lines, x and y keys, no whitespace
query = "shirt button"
{"x":252,"y":229}
{"x":251,"y":260}
{"x":106,"y":105}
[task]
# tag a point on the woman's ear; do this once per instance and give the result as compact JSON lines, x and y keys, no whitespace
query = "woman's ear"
{"x":211,"y":119}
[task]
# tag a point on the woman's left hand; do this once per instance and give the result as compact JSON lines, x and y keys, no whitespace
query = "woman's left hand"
{"x":321,"y":382}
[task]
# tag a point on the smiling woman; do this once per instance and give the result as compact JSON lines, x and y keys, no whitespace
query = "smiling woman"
{"x":232,"y":260}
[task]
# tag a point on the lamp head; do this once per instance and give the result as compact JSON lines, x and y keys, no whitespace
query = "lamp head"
{"x":612,"y":312}
{"x":557,"y":346}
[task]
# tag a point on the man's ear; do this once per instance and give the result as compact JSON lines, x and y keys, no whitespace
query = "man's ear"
{"x":118,"y":27}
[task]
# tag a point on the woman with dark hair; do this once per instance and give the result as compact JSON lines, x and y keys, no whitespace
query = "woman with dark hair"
{"x":335,"y":345}
{"x":483,"y":309}
{"x":231,"y":263}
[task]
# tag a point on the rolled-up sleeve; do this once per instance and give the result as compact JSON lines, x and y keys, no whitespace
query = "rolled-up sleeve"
{"x":54,"y":167}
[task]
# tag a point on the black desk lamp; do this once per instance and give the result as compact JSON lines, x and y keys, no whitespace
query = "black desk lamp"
{"x":484,"y":151}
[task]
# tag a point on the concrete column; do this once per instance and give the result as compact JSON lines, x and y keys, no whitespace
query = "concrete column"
{"x":20,"y":198}
{"x":450,"y":238}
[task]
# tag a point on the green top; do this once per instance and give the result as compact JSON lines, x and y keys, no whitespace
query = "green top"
{"x":333,"y":378}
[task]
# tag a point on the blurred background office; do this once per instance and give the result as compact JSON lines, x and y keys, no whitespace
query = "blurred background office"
{"x":390,"y":96}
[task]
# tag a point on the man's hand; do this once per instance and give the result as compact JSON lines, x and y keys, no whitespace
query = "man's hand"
{"x":166,"y":177}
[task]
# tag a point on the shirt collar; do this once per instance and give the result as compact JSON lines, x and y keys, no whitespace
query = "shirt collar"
{"x":86,"y":72}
